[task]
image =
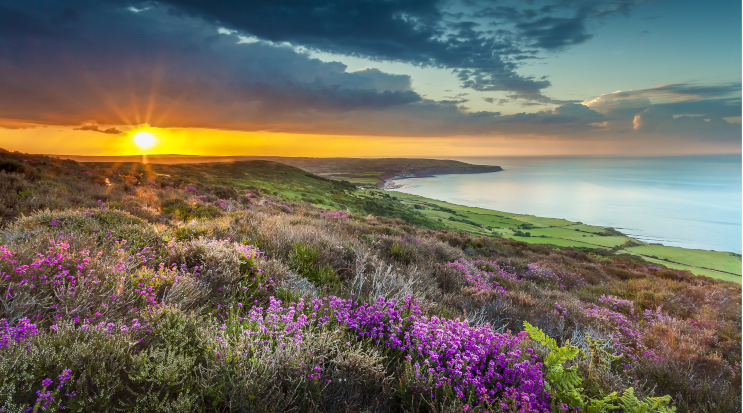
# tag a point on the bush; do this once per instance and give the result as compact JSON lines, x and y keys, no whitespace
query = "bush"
{"x":186,"y":212}
{"x":105,"y":225}
{"x":305,"y":261}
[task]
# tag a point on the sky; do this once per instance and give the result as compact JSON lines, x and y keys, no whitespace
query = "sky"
{"x":415,"y":78}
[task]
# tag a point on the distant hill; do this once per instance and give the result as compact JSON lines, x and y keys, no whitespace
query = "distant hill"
{"x":359,"y":171}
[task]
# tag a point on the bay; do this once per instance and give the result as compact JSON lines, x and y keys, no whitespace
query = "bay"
{"x":685,"y":201}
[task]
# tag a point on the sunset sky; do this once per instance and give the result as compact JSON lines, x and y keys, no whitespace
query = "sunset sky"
{"x":371,"y":78}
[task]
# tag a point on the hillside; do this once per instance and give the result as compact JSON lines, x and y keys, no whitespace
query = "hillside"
{"x":294,"y":184}
{"x":219,"y":287}
{"x":365,"y":172}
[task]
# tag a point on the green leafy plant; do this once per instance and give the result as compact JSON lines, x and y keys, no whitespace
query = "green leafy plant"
{"x":564,"y":384}
{"x":305,"y":261}
{"x":186,"y":212}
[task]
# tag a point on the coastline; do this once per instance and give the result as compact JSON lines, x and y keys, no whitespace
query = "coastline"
{"x":388,"y":182}
{"x":564,"y":233}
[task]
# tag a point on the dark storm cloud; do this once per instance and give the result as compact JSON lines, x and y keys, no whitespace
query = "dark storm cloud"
{"x":116,"y":66}
{"x":555,"y":33}
{"x":558,"y":25}
{"x":410,"y":31}
{"x":16,"y":23}
{"x":153,"y":64}
{"x":550,"y":33}
{"x":334,"y":98}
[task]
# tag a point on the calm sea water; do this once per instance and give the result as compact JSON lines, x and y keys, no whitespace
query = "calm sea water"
{"x":691,"y":202}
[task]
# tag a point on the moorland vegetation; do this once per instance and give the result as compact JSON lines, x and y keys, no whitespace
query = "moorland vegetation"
{"x":131,"y":288}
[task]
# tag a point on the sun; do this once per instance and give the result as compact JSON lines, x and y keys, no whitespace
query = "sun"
{"x":144,"y":140}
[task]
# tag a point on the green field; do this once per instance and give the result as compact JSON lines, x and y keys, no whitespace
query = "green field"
{"x":586,"y":228}
{"x":713,"y":260}
{"x":562,"y":233}
{"x":567,"y":233}
{"x":696,"y":270}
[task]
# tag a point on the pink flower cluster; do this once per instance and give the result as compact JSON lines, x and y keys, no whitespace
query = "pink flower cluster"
{"x":337,"y":214}
{"x":627,"y":337}
{"x":473,"y":363}
{"x":59,"y":269}
{"x":44,"y":396}
{"x":538,"y":272}
{"x":653,"y":316}
{"x":618,"y":304}
{"x":480,"y":273}
{"x":22,"y":331}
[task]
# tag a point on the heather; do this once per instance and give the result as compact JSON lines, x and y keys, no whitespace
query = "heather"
{"x":138,"y":292}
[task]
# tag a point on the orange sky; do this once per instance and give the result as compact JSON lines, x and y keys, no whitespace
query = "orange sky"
{"x":67,"y":141}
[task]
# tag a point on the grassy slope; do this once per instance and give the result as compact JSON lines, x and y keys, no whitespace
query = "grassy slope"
{"x":293,"y":183}
{"x":696,"y":337}
{"x":563,"y":233}
{"x":288,"y":182}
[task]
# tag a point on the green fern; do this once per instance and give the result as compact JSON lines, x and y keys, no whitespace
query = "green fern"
{"x":564,"y":384}
{"x":630,"y":404}
{"x":561,"y":381}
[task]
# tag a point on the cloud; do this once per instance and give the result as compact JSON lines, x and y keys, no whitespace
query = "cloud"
{"x":122,"y":67}
{"x":93,"y":126}
{"x":674,"y":109}
{"x":556,"y":25}
{"x":660,"y":120}
{"x":427,"y":33}
{"x":170,"y":65}
{"x":171,"y":69}
{"x":553,"y":33}
{"x":669,"y":93}
{"x":418,"y":32}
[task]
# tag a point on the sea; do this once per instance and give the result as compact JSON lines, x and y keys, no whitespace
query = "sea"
{"x":685,"y":201}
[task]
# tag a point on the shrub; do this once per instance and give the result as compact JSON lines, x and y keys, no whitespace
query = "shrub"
{"x":304,"y":260}
{"x":13,"y":186}
{"x":186,"y":212}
